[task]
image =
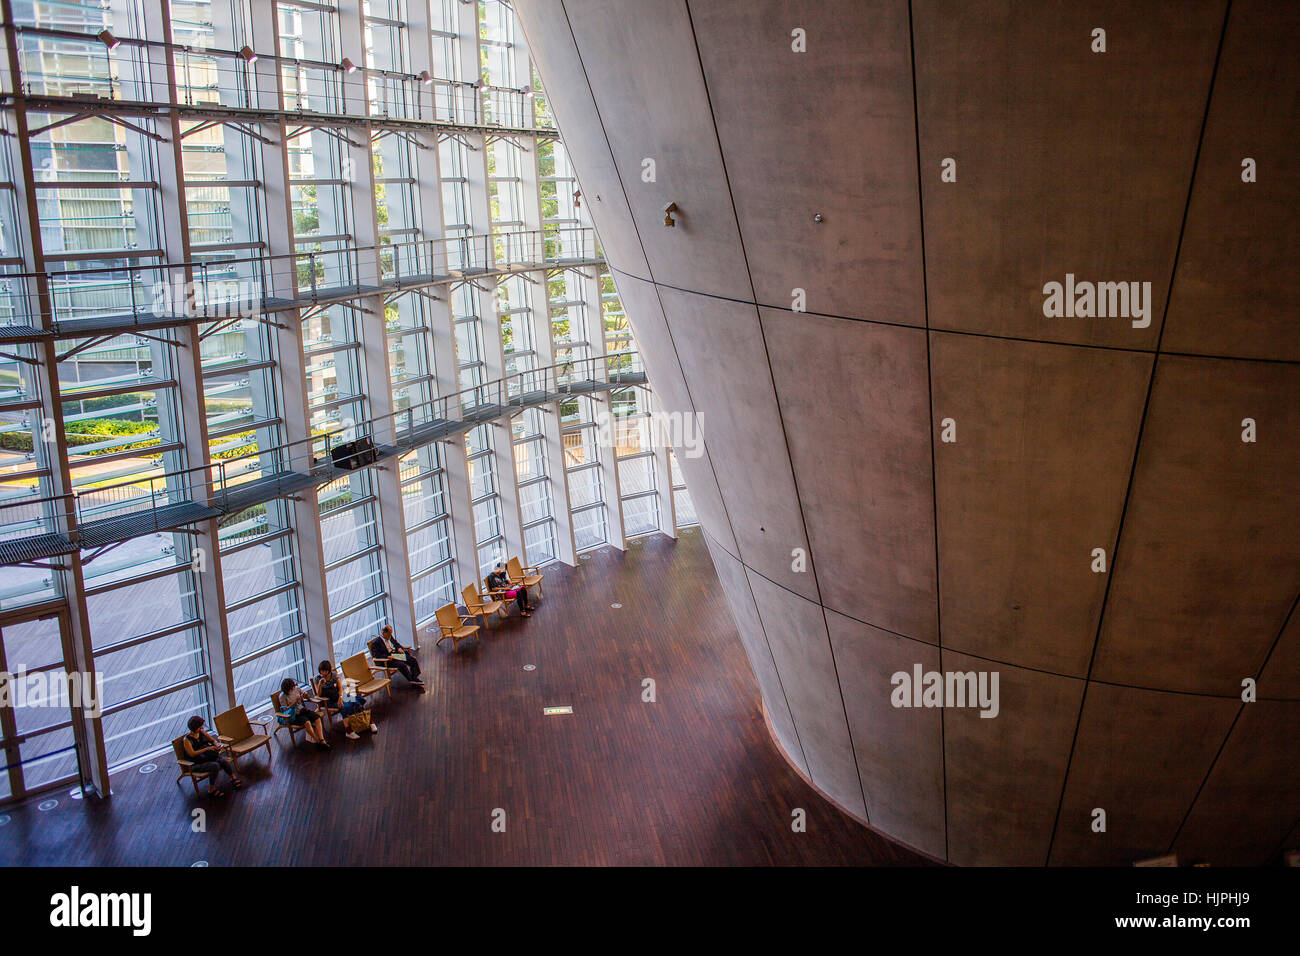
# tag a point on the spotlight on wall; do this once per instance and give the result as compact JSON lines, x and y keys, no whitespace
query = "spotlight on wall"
{"x":109,"y":40}
{"x":347,"y":66}
{"x":426,"y":77}
{"x":247,"y":55}
{"x":577,"y":198}
{"x":668,"y":214}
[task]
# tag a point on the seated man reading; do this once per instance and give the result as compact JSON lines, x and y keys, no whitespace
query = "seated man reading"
{"x":386,"y":649}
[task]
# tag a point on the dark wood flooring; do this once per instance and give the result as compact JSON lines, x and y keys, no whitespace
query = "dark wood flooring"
{"x":692,"y":779}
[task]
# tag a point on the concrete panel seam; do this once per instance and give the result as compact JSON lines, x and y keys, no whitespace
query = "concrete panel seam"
{"x":794,"y":478}
{"x":658,"y":297}
{"x":749,"y":588}
{"x":1228,"y":736}
{"x":677,"y":356}
{"x":929,"y":395}
{"x":1146,"y":408}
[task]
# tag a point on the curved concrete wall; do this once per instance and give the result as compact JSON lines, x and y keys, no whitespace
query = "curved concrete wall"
{"x":1121,"y":689}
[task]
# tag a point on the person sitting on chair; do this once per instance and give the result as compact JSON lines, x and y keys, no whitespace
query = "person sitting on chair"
{"x":330,"y":689}
{"x":205,"y":751}
{"x":387,"y":648}
{"x":498,"y":583}
{"x":299,"y":710}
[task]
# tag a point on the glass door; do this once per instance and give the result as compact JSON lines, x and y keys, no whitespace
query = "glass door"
{"x":37,"y":703}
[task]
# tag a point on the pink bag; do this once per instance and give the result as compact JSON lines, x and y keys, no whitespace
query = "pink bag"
{"x":511,"y":592}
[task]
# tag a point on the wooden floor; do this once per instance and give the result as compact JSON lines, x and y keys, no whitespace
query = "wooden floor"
{"x":691,"y":779}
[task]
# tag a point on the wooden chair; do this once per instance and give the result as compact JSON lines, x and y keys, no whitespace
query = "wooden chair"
{"x":235,"y":730}
{"x":187,"y":765}
{"x":329,"y":710}
{"x":357,"y":668}
{"x":282,"y":724}
{"x":521,"y":576}
{"x":379,"y":662}
{"x":480,"y":608}
{"x":454,"y":626}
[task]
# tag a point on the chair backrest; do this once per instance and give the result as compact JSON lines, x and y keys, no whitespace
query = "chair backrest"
{"x":276,"y":708}
{"x":178,"y":745}
{"x":514,"y":568}
{"x":448,"y":616}
{"x":356,"y":668}
{"x":233,"y":724}
{"x":470,"y":594}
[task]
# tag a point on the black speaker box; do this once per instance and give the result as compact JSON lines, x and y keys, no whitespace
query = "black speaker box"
{"x":354,"y":454}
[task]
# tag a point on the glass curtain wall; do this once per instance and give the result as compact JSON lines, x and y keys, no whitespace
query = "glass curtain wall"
{"x":196,"y":309}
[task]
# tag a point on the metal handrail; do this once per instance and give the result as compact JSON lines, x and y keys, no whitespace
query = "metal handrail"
{"x":209,"y":483}
{"x":410,"y":94}
{"x":341,"y":268}
{"x":302,"y":240}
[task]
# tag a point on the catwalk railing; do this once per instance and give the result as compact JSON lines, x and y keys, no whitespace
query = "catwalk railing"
{"x":34,"y":528}
{"x":215,"y":287}
{"x":119,"y":79}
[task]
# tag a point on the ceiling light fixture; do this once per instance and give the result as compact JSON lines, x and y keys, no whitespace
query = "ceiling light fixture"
{"x":247,"y":55}
{"x":426,"y":77}
{"x":109,"y":40}
{"x":347,"y":66}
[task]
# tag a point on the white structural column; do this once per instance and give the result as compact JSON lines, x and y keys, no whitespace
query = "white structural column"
{"x":663,"y":469}
{"x":442,"y":336}
{"x":281,"y":282}
{"x":428,"y":186}
{"x":553,"y":442}
{"x":376,"y":380}
{"x":163,"y":163}
{"x":604,"y":404}
{"x":540,"y":317}
{"x":78,"y":652}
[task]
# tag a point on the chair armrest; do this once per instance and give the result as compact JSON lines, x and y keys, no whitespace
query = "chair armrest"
{"x":260,"y":722}
{"x":185,"y":764}
{"x":225,"y":740}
